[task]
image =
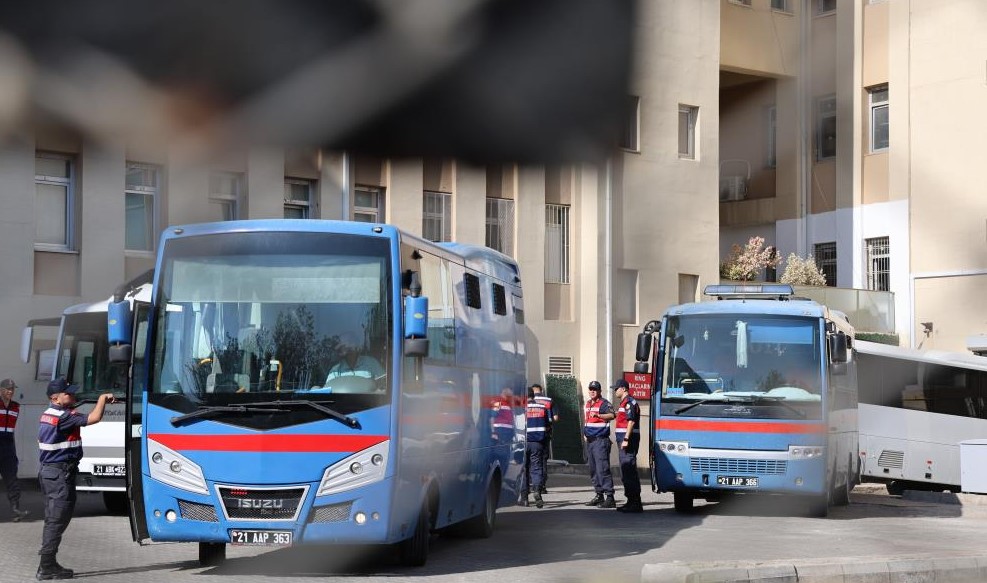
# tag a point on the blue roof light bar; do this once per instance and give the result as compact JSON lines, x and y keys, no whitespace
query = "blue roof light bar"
{"x":779,"y":291}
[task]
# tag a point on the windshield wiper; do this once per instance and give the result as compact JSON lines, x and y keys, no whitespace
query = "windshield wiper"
{"x":681,"y":410}
{"x":779,"y":400}
{"x":210,"y":411}
{"x":344,"y":419}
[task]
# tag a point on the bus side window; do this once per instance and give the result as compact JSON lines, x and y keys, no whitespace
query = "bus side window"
{"x":436,"y":281}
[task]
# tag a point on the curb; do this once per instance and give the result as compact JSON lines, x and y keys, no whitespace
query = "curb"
{"x":963,"y":569}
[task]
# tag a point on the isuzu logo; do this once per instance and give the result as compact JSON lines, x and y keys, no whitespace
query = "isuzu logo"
{"x":260,"y":503}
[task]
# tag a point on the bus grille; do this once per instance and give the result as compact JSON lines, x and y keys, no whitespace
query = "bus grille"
{"x":249,"y":504}
{"x":891,"y":459}
{"x":332,"y":513}
{"x":740,"y":466}
{"x":196,"y":511}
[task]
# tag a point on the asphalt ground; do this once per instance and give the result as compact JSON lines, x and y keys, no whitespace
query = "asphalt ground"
{"x":565,"y":541}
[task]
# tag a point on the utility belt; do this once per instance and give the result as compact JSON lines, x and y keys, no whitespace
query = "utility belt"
{"x":62,"y":465}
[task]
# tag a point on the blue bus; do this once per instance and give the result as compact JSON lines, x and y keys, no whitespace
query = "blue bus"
{"x":755,"y":392}
{"x":323,"y":382}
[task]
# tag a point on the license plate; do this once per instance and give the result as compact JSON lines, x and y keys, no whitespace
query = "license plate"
{"x":114,"y":470}
{"x":260,"y":537}
{"x":742,"y":481}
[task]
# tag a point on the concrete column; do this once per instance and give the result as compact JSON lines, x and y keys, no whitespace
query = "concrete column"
{"x":469,"y":202}
{"x":102,"y":226}
{"x":265,"y":183}
{"x":404,"y":185}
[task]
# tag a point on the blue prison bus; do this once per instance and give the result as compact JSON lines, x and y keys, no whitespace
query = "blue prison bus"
{"x":250,"y":431}
{"x":755,"y":392}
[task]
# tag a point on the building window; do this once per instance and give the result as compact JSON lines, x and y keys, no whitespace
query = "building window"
{"x":826,"y":128}
{"x":500,"y":225}
{"x":879,"y":136}
{"x":630,"y":138}
{"x":143,"y":184}
{"x":225,"y":190}
{"x":556,"y":243}
{"x":782,"y":5}
{"x":826,"y":261}
{"x":688,"y":116}
{"x":437,"y":216}
{"x":368,"y":204}
{"x":53,"y":201}
{"x":298,"y":198}
{"x":741,"y":2}
{"x":879,"y":264}
{"x":771,"y":129}
{"x":825,"y":6}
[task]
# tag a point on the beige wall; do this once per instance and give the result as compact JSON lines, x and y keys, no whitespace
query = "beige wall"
{"x":758,"y":39}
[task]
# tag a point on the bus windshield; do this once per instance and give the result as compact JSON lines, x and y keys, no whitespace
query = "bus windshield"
{"x":83,"y":359}
{"x":743,"y":358}
{"x":256,"y":317}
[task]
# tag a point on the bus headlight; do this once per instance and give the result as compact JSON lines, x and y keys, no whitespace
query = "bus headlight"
{"x":174,"y":469}
{"x":804,"y":452}
{"x":360,"y":469}
{"x":674,"y":447}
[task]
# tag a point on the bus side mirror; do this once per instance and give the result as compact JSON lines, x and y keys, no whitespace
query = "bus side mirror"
{"x":838,"y":347}
{"x":643,"y":352}
{"x":119,"y":326}
{"x":415,"y":320}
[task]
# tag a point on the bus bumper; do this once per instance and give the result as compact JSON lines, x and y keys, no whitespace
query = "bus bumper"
{"x":361,"y":515}
{"x":677,"y":473}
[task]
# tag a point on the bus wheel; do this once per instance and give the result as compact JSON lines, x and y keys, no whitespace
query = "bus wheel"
{"x":414,"y":551}
{"x":482,"y":526}
{"x":115,"y":502}
{"x":212,"y":554}
{"x":683,"y":501}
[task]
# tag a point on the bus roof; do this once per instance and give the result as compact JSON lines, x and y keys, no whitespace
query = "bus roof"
{"x":940,"y":357}
{"x":143,"y":293}
{"x":475,"y":257}
{"x":755,"y":306}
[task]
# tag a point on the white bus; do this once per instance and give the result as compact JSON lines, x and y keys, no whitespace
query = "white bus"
{"x":81,"y":358}
{"x":915,"y":408}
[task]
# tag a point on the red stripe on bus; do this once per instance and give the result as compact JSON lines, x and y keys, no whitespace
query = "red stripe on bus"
{"x":738,"y":426}
{"x":268,"y":443}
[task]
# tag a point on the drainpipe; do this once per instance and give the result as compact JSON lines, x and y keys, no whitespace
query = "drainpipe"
{"x":608,"y":269}
{"x":804,"y":113}
{"x":346,"y":188}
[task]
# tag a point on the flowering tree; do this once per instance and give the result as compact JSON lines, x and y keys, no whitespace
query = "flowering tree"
{"x":799,"y":271}
{"x":747,"y":263}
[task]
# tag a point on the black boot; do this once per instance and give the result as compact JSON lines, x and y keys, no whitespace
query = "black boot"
{"x":50,"y":569}
{"x":596,"y":501}
{"x":633,"y":506}
{"x":609,"y":502}
{"x":538,"y":501}
{"x":19,"y":514}
{"x":522,"y":500}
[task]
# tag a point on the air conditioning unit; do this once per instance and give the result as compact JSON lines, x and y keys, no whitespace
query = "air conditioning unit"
{"x":733,"y":188}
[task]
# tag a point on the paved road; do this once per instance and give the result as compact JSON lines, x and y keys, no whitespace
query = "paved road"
{"x":562,"y":542}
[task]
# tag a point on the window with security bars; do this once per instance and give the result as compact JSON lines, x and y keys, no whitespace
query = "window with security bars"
{"x":825,"y":256}
{"x":224,"y":195}
{"x":298,"y":198}
{"x":879,"y":264}
{"x":500,"y":225}
{"x":556,"y":243}
{"x":437,"y":216}
{"x":141,"y":189}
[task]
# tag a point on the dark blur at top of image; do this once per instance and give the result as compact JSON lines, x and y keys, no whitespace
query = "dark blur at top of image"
{"x":482,"y":80}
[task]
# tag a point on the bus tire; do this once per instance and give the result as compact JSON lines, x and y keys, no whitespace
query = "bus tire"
{"x":212,"y":554}
{"x":414,"y":551}
{"x":683,"y":501}
{"x":115,"y":502}
{"x":482,"y":525}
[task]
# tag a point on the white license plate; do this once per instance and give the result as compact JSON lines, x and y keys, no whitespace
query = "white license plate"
{"x":741,"y":481}
{"x":113,"y":470}
{"x":260,"y":537}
